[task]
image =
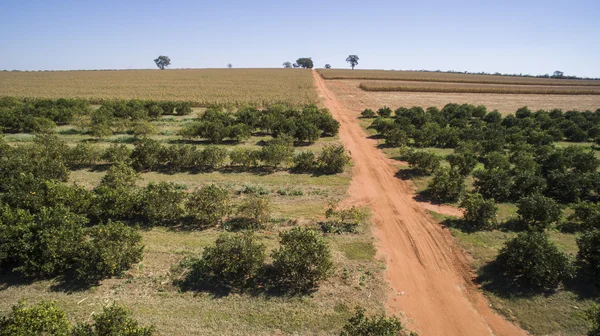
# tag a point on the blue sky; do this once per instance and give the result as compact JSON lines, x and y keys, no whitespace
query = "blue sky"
{"x":527,"y":36}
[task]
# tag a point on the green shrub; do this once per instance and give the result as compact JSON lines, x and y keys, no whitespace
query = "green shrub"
{"x":183,"y":157}
{"x":43,"y":318}
{"x":423,"y":162}
{"x":333,"y":159}
{"x":305,"y":162}
{"x":532,"y":261}
{"x":147,"y":154}
{"x":245,"y":157}
{"x":109,"y":251}
{"x":385,"y":112}
{"x":302,"y":260}
{"x":494,"y":183}
{"x":380,"y":325}
{"x":213,"y":157}
{"x":464,"y":163}
{"x":447,"y":185}
{"x":586,"y":215}
{"x":162,"y":203}
{"x":278,"y":151}
{"x":396,"y":137}
{"x":345,"y":220}
{"x":114,"y":203}
{"x":256,"y":210}
{"x":142,"y":128}
{"x":117,"y":153}
{"x":480,"y":213}
{"x":83,"y":154}
{"x":368,"y":113}
{"x":120,"y":175}
{"x":183,"y":108}
{"x":208,"y":205}
{"x":538,"y":212}
{"x":235,"y":262}
{"x":592,"y":315}
{"x":113,"y":320}
{"x":588,"y":256}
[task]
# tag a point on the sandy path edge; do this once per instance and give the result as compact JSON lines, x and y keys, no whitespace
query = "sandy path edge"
{"x":429,"y":275}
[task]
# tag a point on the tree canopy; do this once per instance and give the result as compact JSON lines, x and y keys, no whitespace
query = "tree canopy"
{"x":162,"y":62}
{"x":353,"y":60}
{"x":305,"y":62}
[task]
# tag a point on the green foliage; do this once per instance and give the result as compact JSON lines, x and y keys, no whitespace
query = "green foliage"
{"x":43,"y":318}
{"x":117,"y":153}
{"x":396,"y":137}
{"x":120,"y":175}
{"x":588,"y":256}
{"x":368,"y":113}
{"x":143,"y":128}
{"x":114,"y":320}
{"x":305,"y":162}
{"x":592,"y":315}
{"x":213,"y":157}
{"x":345,"y":220}
{"x":109,"y":250}
{"x":83,"y":154}
{"x":147,"y":154}
{"x":208,"y":205}
{"x":463,"y":162}
{"x":333,"y":159}
{"x":530,"y":260}
{"x":538,"y":212}
{"x":480,"y":213}
{"x":245,"y":157}
{"x":305,"y":62}
{"x":353,"y":60}
{"x":235,"y":262}
{"x":385,"y":112}
{"x":302,"y":260}
{"x":586,"y":215}
{"x":423,"y":162}
{"x":256,"y":211}
{"x":494,"y":183}
{"x":278,"y":151}
{"x":447,"y":185}
{"x":380,"y":325}
{"x":162,"y":62}
{"x":162,"y":203}
{"x":40,"y":245}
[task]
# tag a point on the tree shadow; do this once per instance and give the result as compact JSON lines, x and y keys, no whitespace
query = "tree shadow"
{"x":408,"y":174}
{"x":10,"y":279}
{"x":492,"y":279}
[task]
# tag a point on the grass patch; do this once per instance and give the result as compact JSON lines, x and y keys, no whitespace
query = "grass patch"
{"x":359,"y":250}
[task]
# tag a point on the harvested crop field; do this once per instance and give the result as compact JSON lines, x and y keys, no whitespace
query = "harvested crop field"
{"x":356,"y":99}
{"x":201,"y":86}
{"x":443,"y":87}
{"x":431,"y":76}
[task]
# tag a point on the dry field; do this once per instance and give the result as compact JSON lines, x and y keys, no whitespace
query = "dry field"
{"x":201,"y":86}
{"x":357,"y":99}
{"x":446,"y":87}
{"x":422,"y":76}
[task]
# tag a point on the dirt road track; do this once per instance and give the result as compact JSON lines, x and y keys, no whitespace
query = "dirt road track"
{"x":429,"y":275}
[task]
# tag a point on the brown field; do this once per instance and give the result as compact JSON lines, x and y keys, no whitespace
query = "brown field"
{"x":422,"y":76}
{"x":201,"y":86}
{"x":446,"y":87}
{"x":356,"y":99}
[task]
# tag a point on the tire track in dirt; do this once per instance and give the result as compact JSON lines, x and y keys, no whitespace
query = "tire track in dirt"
{"x":430,"y":276}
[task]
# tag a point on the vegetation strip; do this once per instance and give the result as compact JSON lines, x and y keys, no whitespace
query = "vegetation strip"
{"x":499,"y":90}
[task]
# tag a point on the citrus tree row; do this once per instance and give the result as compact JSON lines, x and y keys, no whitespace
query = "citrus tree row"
{"x":511,"y":159}
{"x":25,"y":115}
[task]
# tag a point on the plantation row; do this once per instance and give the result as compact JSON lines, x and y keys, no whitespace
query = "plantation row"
{"x":151,"y":155}
{"x":45,"y":318}
{"x":511,"y":159}
{"x":19,"y":115}
{"x":480,"y":88}
{"x":215,"y":125}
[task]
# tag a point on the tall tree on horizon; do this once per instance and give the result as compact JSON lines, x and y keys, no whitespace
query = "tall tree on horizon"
{"x":353,"y":60}
{"x":162,"y":62}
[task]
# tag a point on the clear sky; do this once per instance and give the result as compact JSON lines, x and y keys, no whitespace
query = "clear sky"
{"x":524,"y":36}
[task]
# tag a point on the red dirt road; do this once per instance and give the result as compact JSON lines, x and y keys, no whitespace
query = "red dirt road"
{"x":429,"y":275}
